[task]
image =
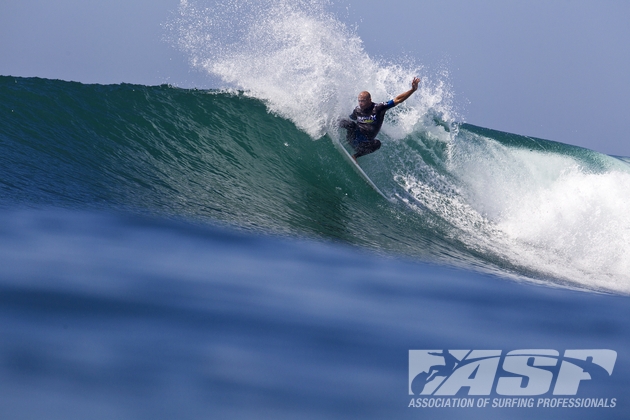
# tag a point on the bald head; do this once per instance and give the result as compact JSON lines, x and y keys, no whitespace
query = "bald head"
{"x":365,"y":100}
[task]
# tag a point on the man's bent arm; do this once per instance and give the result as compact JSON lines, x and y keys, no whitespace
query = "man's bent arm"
{"x":404,"y":96}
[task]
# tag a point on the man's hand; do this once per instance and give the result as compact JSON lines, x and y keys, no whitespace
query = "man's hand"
{"x":414,"y":83}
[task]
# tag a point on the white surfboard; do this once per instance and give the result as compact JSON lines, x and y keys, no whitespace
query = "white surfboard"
{"x":358,"y":169}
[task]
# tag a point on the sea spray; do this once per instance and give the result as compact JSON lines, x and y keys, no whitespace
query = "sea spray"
{"x":303,"y":62}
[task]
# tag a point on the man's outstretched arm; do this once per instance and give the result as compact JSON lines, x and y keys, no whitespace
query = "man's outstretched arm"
{"x":404,"y":96}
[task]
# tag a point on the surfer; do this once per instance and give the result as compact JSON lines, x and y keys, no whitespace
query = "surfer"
{"x":367,"y":119}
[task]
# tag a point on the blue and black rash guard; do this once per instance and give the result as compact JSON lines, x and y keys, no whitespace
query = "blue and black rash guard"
{"x":369,"y":122}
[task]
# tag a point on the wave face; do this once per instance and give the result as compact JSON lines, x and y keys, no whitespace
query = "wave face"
{"x":462,"y":195}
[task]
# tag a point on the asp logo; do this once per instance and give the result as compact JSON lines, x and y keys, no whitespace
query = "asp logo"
{"x":522,"y":373}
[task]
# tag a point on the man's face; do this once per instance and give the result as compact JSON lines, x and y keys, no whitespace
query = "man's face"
{"x":365,"y":100}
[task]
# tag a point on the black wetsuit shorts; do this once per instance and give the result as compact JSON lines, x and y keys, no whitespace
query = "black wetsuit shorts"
{"x":357,"y":140}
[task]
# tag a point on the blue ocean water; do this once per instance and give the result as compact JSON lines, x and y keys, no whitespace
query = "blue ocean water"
{"x":174,"y":253}
{"x":108,"y":315}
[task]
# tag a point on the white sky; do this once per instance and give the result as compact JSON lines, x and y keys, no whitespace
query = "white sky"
{"x":556,"y":69}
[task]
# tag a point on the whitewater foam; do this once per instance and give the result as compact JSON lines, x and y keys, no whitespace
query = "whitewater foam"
{"x":547,"y":213}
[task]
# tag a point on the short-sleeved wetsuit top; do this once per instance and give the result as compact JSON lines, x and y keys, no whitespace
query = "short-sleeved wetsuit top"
{"x":369,"y":122}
